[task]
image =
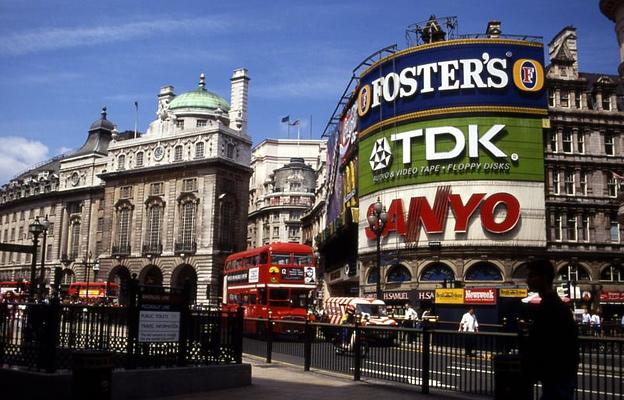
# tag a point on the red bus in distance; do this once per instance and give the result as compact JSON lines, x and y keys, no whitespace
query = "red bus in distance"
{"x":93,"y":291}
{"x":14,"y":290}
{"x":275,"y":280}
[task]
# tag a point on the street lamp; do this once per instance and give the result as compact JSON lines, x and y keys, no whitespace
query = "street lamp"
{"x":45,"y":224}
{"x":36,"y":228}
{"x":376,"y":222}
{"x":88,"y":264}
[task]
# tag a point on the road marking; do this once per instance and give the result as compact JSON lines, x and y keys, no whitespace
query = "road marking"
{"x":410,"y":379}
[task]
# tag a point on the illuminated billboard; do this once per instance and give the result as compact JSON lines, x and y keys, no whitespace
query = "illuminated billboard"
{"x":451,"y":142}
{"x":495,"y":75}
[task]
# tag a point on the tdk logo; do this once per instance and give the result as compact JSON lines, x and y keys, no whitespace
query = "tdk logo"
{"x":381,"y":156}
{"x":431,"y":135}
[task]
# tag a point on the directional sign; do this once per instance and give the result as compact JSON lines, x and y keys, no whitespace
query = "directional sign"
{"x":17,"y":248}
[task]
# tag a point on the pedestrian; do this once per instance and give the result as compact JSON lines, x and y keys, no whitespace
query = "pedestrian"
{"x":410,"y":318}
{"x":585,"y":321}
{"x":596,"y":323}
{"x":550,"y":352}
{"x":469,"y":325}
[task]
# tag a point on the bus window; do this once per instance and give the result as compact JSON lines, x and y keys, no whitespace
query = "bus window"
{"x":262,"y":296}
{"x":280,"y":259}
{"x":303,"y":259}
{"x":264,"y":258}
{"x":279,"y":297}
{"x":299,"y":299}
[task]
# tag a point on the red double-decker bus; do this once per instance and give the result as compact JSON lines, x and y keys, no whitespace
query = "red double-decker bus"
{"x":273,"y":281}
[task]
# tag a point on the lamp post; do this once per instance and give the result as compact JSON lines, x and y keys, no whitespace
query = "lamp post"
{"x":35,"y":228}
{"x":88,"y":264}
{"x":45,"y":224}
{"x":376,"y":222}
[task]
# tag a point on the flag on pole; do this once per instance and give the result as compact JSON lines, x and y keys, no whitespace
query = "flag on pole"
{"x":295,"y":123}
{"x":286,"y":119}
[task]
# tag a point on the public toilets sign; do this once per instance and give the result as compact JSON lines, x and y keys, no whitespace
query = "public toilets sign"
{"x":453,"y":76}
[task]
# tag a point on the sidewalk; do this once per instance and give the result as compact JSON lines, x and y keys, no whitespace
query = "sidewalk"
{"x":286,"y":381}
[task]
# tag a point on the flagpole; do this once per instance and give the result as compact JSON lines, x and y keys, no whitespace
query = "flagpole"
{"x":136,"y":118}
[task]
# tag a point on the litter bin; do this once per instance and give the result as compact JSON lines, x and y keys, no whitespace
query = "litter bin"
{"x":92,"y":375}
{"x":509,"y":383}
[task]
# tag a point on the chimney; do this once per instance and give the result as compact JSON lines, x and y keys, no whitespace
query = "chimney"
{"x":238,"y":100}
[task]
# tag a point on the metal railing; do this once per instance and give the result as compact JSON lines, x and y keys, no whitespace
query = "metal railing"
{"x":153,"y":249}
{"x":427,"y":357}
{"x":121,"y":250}
{"x":185,"y":247}
{"x":44,"y":336}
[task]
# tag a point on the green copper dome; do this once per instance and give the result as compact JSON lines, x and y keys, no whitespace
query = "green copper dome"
{"x":200,"y":98}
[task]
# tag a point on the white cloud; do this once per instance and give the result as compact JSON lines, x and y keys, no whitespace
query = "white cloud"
{"x":60,"y":38}
{"x":18,"y":154}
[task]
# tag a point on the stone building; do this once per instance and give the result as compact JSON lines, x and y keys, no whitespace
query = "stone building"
{"x":583,"y":160}
{"x":570,"y":217}
{"x":167,"y":205}
{"x":283,"y":187}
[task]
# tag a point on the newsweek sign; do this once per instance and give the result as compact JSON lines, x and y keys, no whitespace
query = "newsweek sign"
{"x":479,"y":296}
{"x":452,"y":75}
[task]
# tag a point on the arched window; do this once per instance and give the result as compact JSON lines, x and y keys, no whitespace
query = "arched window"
{"x":612,"y":273}
{"x":437,"y":272}
{"x":199,"y":150}
{"x":152,"y":276}
{"x":520,"y":272}
{"x":483,"y":271}
{"x":373,"y":275}
{"x":572,"y":272}
{"x":398,"y":273}
{"x":121,"y":162}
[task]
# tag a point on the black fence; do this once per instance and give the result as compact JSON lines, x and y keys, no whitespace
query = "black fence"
{"x":430,"y":358}
{"x":43,"y":337}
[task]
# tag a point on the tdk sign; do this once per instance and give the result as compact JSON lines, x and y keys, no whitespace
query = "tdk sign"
{"x":453,"y":77}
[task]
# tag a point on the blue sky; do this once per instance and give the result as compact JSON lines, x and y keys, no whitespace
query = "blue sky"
{"x":61,"y":61}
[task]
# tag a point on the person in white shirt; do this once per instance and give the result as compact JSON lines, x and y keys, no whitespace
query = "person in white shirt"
{"x":469,"y":324}
{"x":595,"y":323}
{"x":585,"y":321}
{"x":410,"y":318}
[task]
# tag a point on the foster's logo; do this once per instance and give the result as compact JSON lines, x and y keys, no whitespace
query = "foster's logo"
{"x":528,"y":75}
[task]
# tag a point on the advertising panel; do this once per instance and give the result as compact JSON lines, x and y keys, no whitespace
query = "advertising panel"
{"x":480,"y":296}
{"x":449,"y":296}
{"x":451,"y":142}
{"x":452,"y":76}
{"x":499,"y":148}
{"x":513,"y":292}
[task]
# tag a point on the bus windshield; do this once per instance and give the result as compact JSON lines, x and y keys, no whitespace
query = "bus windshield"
{"x":288,"y":298}
{"x":303,"y":259}
{"x":280,"y":259}
{"x":373,"y":310}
